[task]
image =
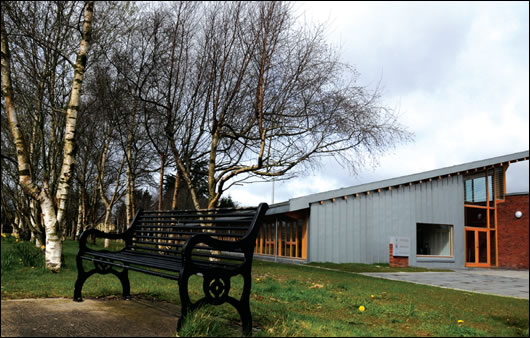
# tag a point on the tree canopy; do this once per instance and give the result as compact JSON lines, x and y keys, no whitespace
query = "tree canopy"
{"x":181,"y":97}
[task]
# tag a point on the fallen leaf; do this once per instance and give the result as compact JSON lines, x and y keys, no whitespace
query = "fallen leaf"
{"x":316,"y":286}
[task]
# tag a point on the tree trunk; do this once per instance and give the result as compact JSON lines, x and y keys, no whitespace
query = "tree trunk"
{"x":77,"y":226}
{"x":54,"y":218}
{"x":15,"y":230}
{"x":54,"y":240}
{"x":107,"y":225}
{"x":161,"y":182}
{"x":129,"y":196}
{"x":174,"y":201}
{"x":131,"y":174}
{"x":36,"y":224}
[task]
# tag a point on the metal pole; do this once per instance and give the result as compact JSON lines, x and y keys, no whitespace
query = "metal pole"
{"x":272,"y":191}
{"x":276,"y":242}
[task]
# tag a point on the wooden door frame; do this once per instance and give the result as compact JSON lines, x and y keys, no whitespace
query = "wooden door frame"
{"x":475,"y":231}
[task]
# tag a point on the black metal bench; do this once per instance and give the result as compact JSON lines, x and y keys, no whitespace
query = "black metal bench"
{"x":217,"y":244}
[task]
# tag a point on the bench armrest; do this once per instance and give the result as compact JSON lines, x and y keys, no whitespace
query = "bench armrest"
{"x":99,"y":234}
{"x":241,"y":246}
{"x":126,"y":236}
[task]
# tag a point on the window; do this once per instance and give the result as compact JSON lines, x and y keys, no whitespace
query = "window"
{"x":476,"y":217}
{"x":485,"y":186}
{"x":434,"y":239}
{"x":499,"y":183}
{"x":483,"y":191}
{"x":475,"y":192}
{"x":283,"y":236}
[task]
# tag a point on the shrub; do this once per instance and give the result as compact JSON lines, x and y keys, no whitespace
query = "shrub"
{"x":21,"y":253}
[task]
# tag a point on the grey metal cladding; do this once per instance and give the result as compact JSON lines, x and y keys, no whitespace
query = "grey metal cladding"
{"x":358,"y":229}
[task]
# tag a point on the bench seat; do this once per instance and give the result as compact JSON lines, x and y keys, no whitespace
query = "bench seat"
{"x":215,"y":244}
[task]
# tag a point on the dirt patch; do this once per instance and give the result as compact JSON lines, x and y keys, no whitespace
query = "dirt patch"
{"x":91,"y":318}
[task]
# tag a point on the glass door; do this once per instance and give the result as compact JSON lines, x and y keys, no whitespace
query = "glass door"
{"x":477,"y":247}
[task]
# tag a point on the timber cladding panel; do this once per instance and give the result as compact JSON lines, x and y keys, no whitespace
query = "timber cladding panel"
{"x":513,"y":232}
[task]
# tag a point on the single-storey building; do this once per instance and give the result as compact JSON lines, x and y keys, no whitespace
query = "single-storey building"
{"x":451,"y":217}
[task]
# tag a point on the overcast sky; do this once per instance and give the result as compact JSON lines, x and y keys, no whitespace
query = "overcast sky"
{"x":456,"y":72}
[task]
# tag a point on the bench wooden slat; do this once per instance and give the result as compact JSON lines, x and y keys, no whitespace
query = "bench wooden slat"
{"x":180,"y":222}
{"x":153,"y":262}
{"x":151,"y":214}
{"x":158,"y":232}
{"x":140,"y":247}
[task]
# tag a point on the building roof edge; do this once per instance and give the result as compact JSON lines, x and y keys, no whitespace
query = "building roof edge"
{"x":303,"y":202}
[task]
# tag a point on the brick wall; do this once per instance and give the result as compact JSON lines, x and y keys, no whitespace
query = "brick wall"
{"x":512,"y":238}
{"x":400,"y":262}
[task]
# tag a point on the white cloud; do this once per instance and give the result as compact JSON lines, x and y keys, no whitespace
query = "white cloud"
{"x":458,"y":72}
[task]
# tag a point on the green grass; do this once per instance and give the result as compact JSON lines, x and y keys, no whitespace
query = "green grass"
{"x":293,"y":300}
{"x":378,"y":267}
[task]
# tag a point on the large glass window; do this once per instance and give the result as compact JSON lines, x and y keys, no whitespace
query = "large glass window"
{"x":483,"y":191}
{"x":476,"y":217}
{"x":283,"y":236}
{"x":476,"y":189}
{"x":434,"y":239}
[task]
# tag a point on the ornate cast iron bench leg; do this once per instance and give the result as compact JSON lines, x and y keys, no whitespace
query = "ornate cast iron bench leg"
{"x":243,"y":306}
{"x":81,"y":278}
{"x":216,"y":289}
{"x":100,"y":268}
{"x":246,"y":315}
{"x":185,"y":301}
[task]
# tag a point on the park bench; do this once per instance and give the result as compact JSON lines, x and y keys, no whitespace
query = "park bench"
{"x":215,"y":244}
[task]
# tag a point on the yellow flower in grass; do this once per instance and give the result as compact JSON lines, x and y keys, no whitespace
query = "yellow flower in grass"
{"x":372,"y":296}
{"x":42,"y":247}
{"x":460,"y":322}
{"x":362,"y":308}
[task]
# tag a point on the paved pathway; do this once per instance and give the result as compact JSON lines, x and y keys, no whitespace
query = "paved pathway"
{"x":61,"y":317}
{"x":511,"y":283}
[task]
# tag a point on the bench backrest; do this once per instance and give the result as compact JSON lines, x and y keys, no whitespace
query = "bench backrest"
{"x":165,"y":232}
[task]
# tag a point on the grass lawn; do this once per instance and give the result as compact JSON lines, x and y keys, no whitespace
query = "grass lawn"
{"x":378,"y":267}
{"x":290,"y":300}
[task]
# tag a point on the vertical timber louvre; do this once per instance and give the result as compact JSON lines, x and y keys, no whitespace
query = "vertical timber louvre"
{"x":284,"y":236}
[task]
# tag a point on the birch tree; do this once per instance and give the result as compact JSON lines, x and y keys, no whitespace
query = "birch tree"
{"x":116,"y":193}
{"x":133,"y":62}
{"x":86,"y":170}
{"x":53,"y":206}
{"x":263,"y":98}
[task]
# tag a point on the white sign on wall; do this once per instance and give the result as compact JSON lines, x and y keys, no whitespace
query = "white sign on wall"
{"x":401,"y":246}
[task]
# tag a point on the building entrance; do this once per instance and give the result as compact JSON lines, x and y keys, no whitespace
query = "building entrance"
{"x":478,"y":247}
{"x":484,"y":190}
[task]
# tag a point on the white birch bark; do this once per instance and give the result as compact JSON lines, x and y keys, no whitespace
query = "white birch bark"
{"x":71,"y":116}
{"x":36,"y":233}
{"x":79,"y":227}
{"x":15,"y":227}
{"x":54,"y":219}
{"x":54,"y":244}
